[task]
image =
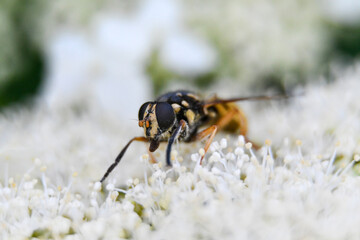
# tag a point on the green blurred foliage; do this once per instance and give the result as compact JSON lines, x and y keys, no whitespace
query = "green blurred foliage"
{"x":23,"y":83}
{"x":22,"y":64}
{"x":345,"y":40}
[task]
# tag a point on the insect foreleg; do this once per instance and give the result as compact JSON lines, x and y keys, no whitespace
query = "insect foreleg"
{"x":173,"y":137}
{"x":221,"y":123}
{"x":121,"y":154}
{"x":206,"y":132}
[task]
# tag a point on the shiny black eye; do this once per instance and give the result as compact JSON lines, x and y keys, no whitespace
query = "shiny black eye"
{"x":165,"y":115}
{"x":142,"y":110}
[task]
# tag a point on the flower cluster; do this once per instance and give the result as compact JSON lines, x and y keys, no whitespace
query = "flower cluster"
{"x":235,"y":194}
{"x":303,"y":183}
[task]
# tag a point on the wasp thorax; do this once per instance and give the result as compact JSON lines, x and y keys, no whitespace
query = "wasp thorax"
{"x":156,"y":118}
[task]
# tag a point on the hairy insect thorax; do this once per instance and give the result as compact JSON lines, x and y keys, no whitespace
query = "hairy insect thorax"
{"x":187,"y":106}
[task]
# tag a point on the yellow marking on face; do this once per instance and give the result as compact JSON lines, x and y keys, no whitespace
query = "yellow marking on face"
{"x":190,"y":115}
{"x":179,"y":94}
{"x":154,"y":129}
{"x":151,"y":122}
{"x":176,"y":107}
{"x":141,"y":123}
{"x":184,"y":103}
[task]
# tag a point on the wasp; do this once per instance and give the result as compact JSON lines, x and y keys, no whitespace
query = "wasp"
{"x":178,"y":115}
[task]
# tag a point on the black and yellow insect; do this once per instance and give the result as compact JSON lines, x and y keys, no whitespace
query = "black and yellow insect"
{"x":178,"y":115}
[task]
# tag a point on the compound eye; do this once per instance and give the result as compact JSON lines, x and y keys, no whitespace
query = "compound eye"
{"x":165,"y":115}
{"x":142,"y":110}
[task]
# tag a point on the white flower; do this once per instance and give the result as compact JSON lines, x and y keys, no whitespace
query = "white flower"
{"x":60,"y":225}
{"x":290,"y":189}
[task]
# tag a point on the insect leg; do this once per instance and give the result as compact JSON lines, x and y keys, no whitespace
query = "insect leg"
{"x":206,"y":132}
{"x":118,"y":158}
{"x":173,"y":137}
{"x":222,"y":122}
